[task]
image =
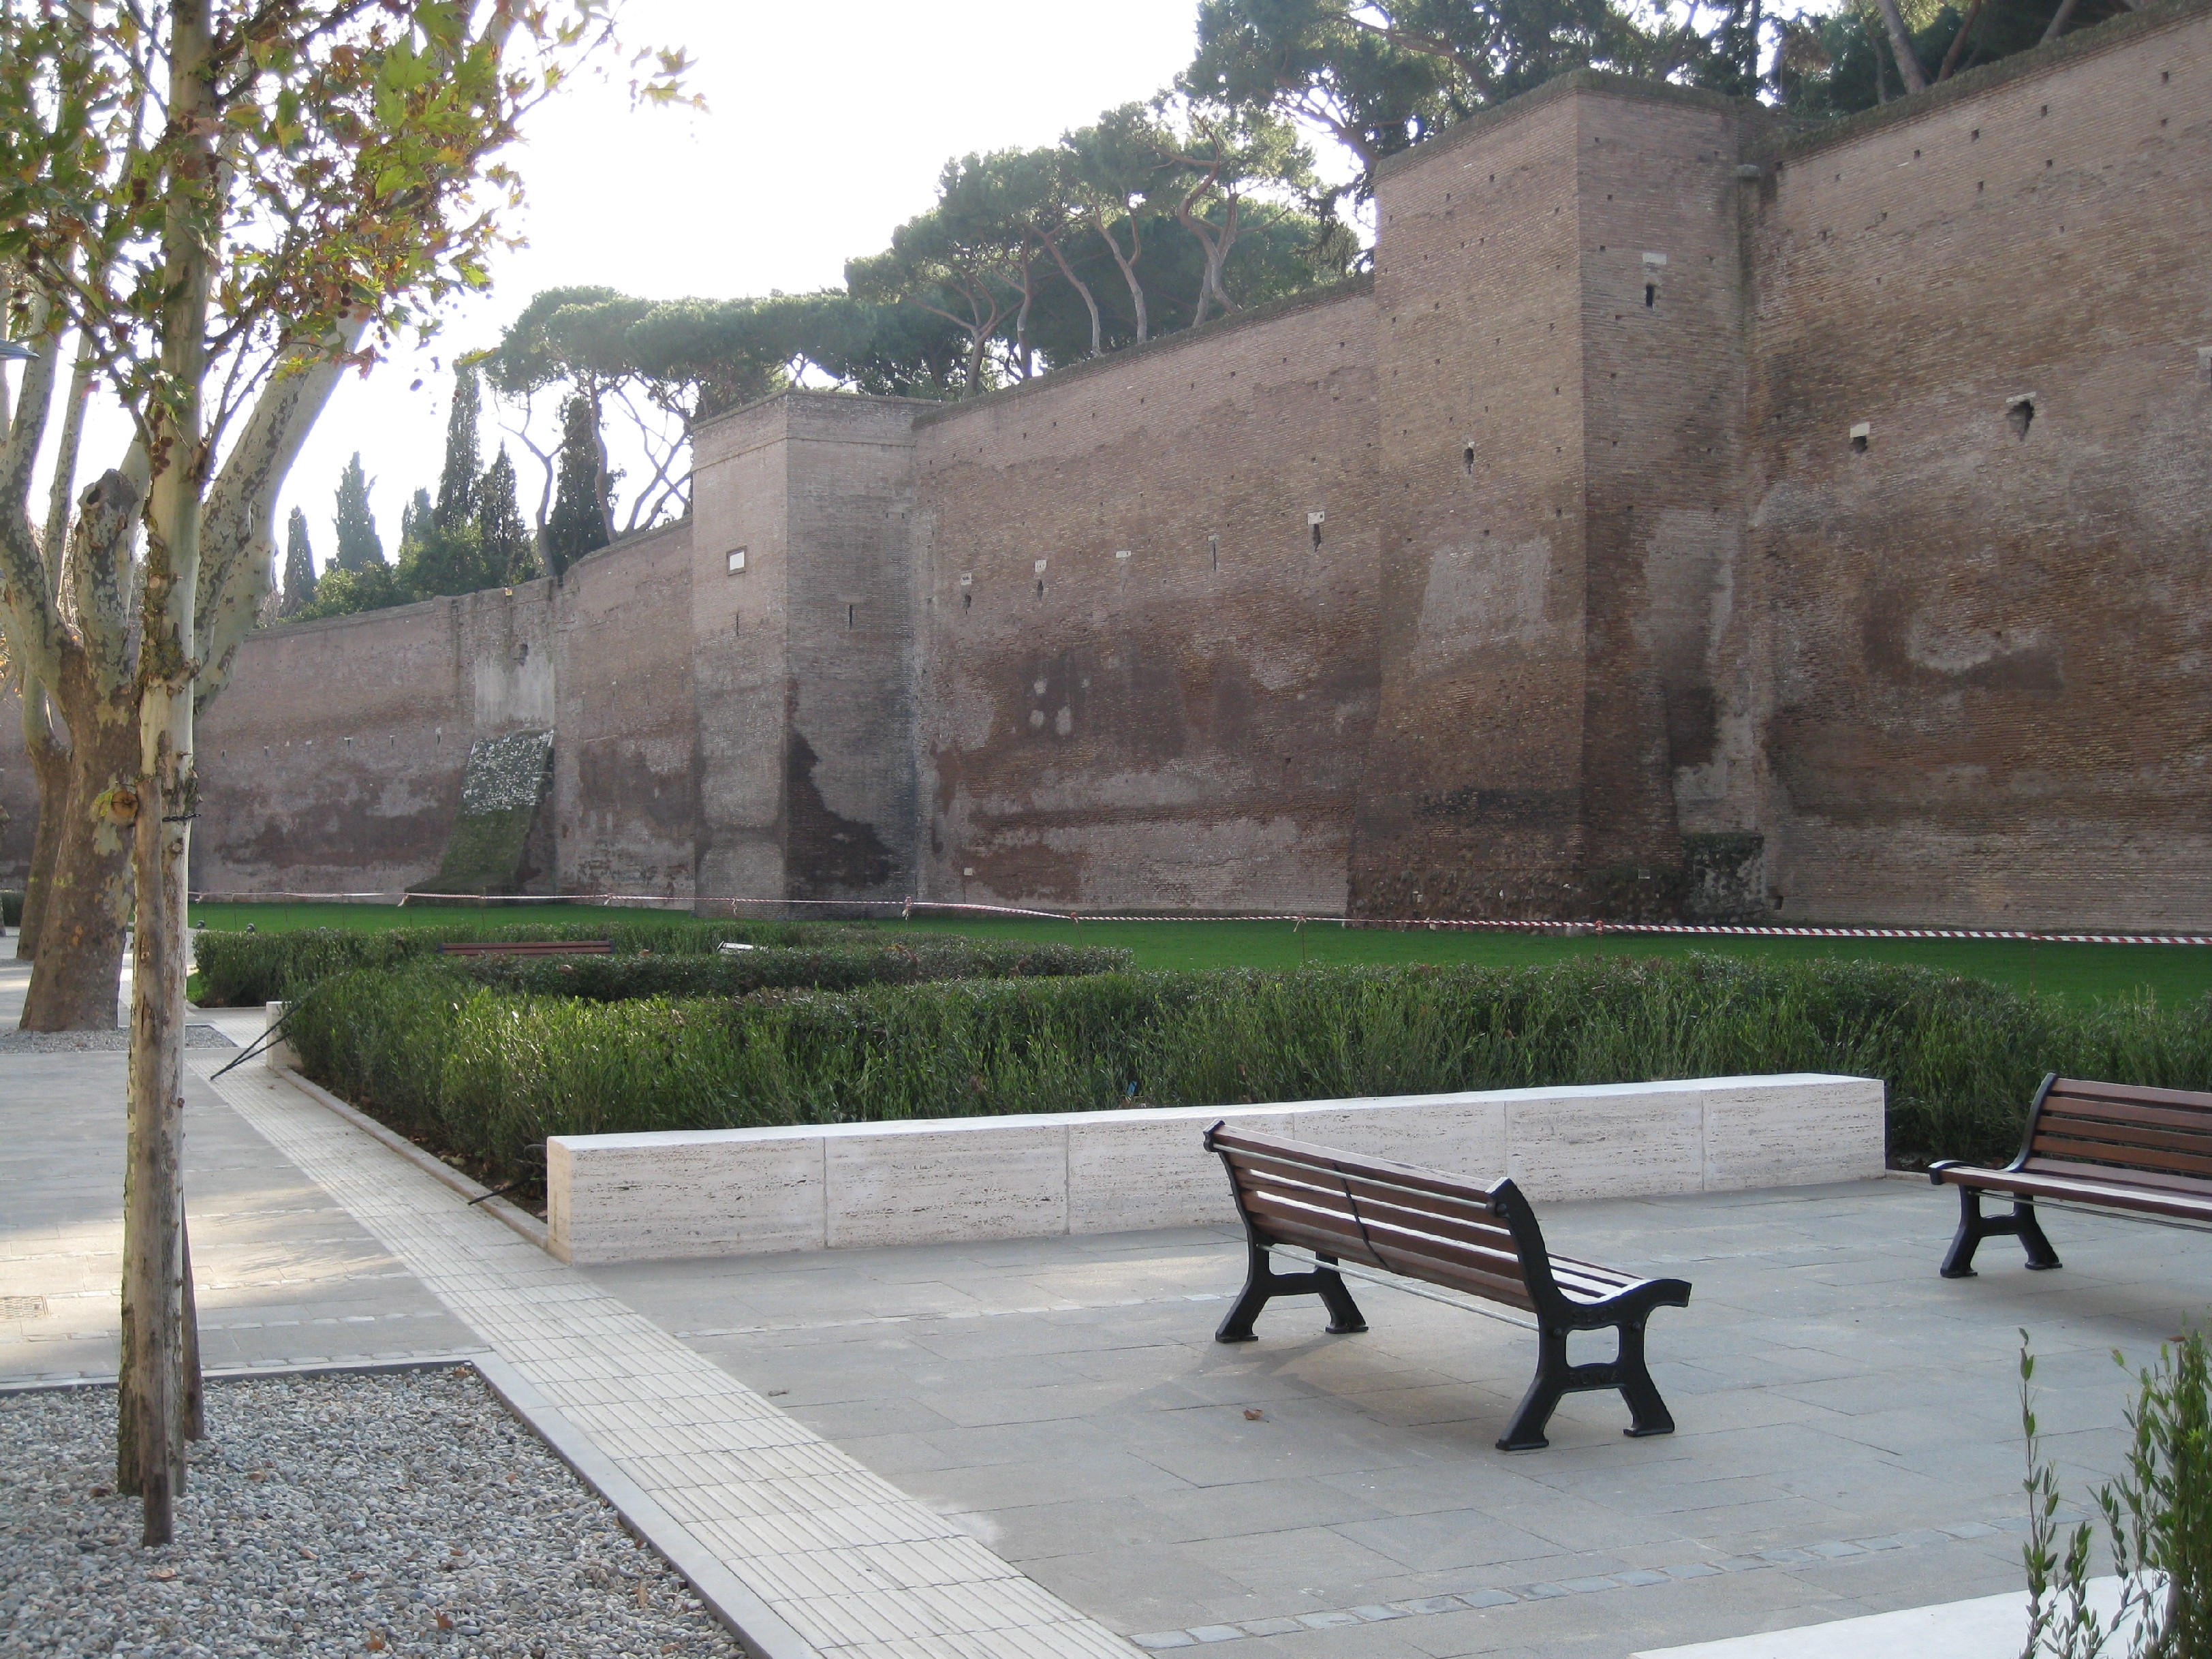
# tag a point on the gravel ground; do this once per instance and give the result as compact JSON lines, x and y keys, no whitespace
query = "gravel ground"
{"x":402,"y":1513}
{"x":92,"y":1042}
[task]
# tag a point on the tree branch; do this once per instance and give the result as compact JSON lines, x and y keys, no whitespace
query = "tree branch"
{"x":237,"y":544}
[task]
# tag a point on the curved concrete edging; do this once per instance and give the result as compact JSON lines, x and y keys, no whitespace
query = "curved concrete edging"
{"x":513,"y":1215}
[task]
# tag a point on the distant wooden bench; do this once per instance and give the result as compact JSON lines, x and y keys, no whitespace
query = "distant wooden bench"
{"x":529,"y":947}
{"x":2107,"y":1145}
{"x":1443,"y":1230}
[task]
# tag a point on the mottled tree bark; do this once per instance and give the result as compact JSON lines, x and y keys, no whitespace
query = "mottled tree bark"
{"x":152,"y":1396}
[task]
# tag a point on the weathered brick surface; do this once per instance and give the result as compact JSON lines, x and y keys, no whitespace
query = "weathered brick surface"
{"x":1143,"y":683}
{"x":1607,"y":613}
{"x":1989,"y":697}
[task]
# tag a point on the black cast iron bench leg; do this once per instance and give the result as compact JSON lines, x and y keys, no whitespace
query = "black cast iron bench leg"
{"x":1974,"y":1227}
{"x":1555,"y":1379}
{"x":1262,"y":1284}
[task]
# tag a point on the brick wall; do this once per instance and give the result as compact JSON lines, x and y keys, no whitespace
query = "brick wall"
{"x":626,"y":804}
{"x":1602,"y":579}
{"x":1142,"y":682}
{"x":1988,"y":700}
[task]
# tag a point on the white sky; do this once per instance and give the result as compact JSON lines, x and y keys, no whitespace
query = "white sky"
{"x":826,"y":126}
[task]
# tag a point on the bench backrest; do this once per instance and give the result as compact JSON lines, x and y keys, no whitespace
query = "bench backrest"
{"x":1423,"y":1223}
{"x":2159,"y":1137}
{"x":529,"y":947}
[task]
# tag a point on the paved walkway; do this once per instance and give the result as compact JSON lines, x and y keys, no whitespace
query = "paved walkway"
{"x":850,"y":1562}
{"x":1849,"y":1436}
{"x":283,"y":1275}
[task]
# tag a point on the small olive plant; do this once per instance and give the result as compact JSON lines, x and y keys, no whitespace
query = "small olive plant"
{"x":2157,"y":1520}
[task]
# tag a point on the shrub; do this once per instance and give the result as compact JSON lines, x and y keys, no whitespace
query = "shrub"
{"x":243,"y":969}
{"x":483,"y":1072}
{"x":828,"y":968}
{"x":11,"y":909}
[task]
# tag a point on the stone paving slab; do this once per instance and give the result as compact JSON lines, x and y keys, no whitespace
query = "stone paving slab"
{"x":847,"y":1563}
{"x":282,"y":1274}
{"x":1848,"y":1437}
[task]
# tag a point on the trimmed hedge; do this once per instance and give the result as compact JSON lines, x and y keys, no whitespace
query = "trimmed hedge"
{"x":482,"y":1074}
{"x":245,"y":969}
{"x":831,"y":968}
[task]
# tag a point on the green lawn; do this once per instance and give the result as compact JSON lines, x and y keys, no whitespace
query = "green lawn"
{"x":2078,"y":972}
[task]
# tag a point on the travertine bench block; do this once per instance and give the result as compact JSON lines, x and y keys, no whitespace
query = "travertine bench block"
{"x":745,"y":1192}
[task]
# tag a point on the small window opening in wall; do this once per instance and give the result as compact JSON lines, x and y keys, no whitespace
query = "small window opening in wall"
{"x":1861,"y":435}
{"x":1213,"y":551}
{"x":1651,"y":296}
{"x":967,"y":603}
{"x":737,"y":625}
{"x":1466,"y":459}
{"x":2019,"y":415}
{"x":851,"y":611}
{"x":737,"y":561}
{"x":1313,"y":522}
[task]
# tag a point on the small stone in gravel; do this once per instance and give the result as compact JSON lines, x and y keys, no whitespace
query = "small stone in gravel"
{"x":404,"y":1513}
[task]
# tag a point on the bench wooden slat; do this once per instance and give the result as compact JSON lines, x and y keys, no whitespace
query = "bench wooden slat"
{"x":2116,"y":1114}
{"x":2136,"y":1094}
{"x":1471,"y":1204}
{"x":1370,"y":1240}
{"x":2122,"y":1137}
{"x":1366,"y":1197}
{"x":533,"y":947}
{"x":2114,"y":1157}
{"x":2103,"y":1174}
{"x":1381,"y":1168}
{"x":2151,"y":1201}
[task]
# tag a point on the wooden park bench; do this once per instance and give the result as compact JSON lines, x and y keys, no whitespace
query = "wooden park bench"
{"x":2107,"y":1145}
{"x":528,"y":947}
{"x":1443,"y":1230}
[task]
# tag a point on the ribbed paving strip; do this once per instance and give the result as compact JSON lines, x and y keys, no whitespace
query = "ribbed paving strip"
{"x":851,"y":1563}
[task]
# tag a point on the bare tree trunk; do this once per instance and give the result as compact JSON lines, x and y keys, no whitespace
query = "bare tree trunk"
{"x":2059,"y":19}
{"x":82,"y":901}
{"x":1958,"y":41}
{"x":152,"y":1392}
{"x":48,"y":758}
{"x":1901,"y":44}
{"x":1129,"y":269}
{"x":1090,"y":300}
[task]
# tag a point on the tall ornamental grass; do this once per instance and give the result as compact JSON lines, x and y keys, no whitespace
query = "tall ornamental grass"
{"x":485,"y":1074}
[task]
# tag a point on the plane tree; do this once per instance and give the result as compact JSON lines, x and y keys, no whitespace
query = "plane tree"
{"x":225,"y":204}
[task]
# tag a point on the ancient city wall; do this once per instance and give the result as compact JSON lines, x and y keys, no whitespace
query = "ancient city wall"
{"x":1989,"y":702}
{"x":333,"y":762}
{"x":1147,"y":608}
{"x":1684,"y":516}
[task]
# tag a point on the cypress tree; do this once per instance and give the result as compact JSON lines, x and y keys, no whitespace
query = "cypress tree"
{"x":415,"y":519}
{"x":575,"y":526}
{"x":359,"y":547}
{"x":299,"y":566}
{"x":457,"y":485}
{"x":501,"y":532}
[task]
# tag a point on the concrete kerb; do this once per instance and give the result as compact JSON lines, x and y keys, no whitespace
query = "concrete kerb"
{"x":755,"y":1626}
